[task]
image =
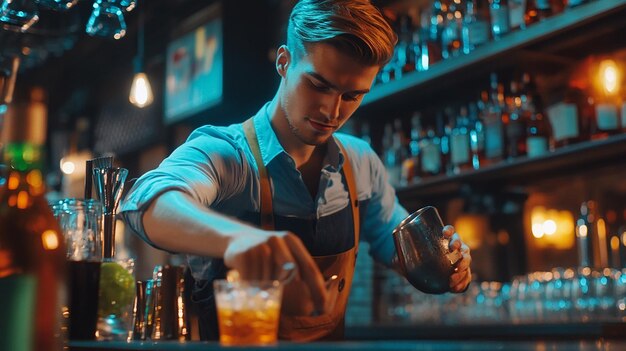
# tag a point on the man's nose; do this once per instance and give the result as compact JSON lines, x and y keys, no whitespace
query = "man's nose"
{"x":331,"y":106}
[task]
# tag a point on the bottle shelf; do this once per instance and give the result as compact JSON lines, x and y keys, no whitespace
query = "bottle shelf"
{"x":576,"y":157}
{"x":570,"y":22}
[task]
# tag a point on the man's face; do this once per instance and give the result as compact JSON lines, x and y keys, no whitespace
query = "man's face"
{"x":322,"y":89}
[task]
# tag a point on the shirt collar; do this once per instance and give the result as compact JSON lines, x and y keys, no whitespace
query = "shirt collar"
{"x":268,"y":141}
{"x":270,"y":145}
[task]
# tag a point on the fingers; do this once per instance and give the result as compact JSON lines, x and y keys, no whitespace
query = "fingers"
{"x":282,"y":258}
{"x":448,"y":231}
{"x":463,"y":274}
{"x":308,"y":270}
{"x":455,"y":242}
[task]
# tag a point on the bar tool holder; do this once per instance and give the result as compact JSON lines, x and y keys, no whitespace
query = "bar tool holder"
{"x":109,"y":184}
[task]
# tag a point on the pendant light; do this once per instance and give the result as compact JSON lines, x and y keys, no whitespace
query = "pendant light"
{"x":140,"y":91}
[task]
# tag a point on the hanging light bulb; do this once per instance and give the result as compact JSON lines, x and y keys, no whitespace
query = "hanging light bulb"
{"x":140,"y":91}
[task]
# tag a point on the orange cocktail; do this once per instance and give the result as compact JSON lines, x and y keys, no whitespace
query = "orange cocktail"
{"x":248,"y":311}
{"x":248,"y":327}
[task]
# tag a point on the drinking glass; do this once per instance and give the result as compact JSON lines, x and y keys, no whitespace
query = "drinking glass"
{"x":18,"y":15}
{"x":106,"y":20}
{"x":248,"y":311}
{"x":80,"y":222}
{"x":116,"y":298}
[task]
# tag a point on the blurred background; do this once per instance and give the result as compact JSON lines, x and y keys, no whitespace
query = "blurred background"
{"x":507,"y":115}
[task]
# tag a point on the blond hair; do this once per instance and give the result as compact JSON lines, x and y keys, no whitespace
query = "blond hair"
{"x":355,"y":27}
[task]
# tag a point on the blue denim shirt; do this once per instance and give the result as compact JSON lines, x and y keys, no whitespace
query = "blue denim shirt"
{"x":215,"y":166}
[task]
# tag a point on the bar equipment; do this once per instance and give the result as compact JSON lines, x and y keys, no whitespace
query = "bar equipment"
{"x":109,"y":182}
{"x":423,"y":251}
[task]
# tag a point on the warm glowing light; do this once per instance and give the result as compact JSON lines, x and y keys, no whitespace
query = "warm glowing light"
{"x":49,"y":240}
{"x":14,"y":181}
{"x":615,"y":243}
{"x":141,"y":91}
{"x":624,"y":238}
{"x":609,"y":77}
{"x":22,"y":200}
{"x":472,"y":228}
{"x":549,"y":227}
{"x":552,"y":228}
{"x":34,"y":178}
{"x":581,"y":231}
{"x":68,"y":167}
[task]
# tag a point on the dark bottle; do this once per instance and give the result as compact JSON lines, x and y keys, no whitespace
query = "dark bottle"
{"x":538,"y":132}
{"x":475,"y":30}
{"x":430,"y":154}
{"x":477,"y":134}
{"x":32,"y":250}
{"x":515,"y":127}
{"x":460,"y":148}
{"x":499,"y":13}
{"x":444,"y":129}
{"x":411,"y":166}
{"x":432,"y":27}
{"x":451,"y":35}
{"x":492,"y":121}
{"x":405,"y":58}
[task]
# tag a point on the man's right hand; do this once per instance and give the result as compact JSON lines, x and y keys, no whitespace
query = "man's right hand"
{"x":262,"y":255}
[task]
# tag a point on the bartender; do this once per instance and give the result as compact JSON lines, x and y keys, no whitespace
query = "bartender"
{"x":282,"y":189}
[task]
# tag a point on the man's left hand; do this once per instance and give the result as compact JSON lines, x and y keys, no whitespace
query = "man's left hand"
{"x":462,"y":276}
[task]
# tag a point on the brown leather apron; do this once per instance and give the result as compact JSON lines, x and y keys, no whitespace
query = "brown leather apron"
{"x":296,"y":322}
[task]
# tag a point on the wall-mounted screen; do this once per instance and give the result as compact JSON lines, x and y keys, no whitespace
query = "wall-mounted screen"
{"x":194,"y":70}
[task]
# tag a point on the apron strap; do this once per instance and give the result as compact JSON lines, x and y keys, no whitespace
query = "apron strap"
{"x":354,"y":200}
{"x":267,"y":210}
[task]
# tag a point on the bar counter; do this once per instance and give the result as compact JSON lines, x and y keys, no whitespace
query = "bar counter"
{"x":389,"y":345}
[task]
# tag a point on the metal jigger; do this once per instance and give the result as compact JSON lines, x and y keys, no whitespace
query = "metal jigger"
{"x":109,"y":183}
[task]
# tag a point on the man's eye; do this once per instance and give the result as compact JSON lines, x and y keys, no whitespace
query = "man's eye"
{"x":350,"y":97}
{"x":322,"y":88}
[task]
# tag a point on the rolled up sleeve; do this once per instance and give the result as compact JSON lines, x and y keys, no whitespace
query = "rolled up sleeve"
{"x":196,"y":168}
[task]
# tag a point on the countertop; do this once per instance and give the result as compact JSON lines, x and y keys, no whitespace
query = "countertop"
{"x":416,"y":345}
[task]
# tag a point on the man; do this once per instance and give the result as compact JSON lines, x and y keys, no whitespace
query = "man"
{"x":284,"y":170}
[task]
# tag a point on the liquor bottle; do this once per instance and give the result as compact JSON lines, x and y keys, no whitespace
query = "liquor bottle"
{"x":517,"y":10}
{"x":531,"y":14}
{"x":432,"y":27}
{"x":404,"y":60}
{"x":492,"y":122}
{"x":475,"y":31}
{"x":515,"y":126}
{"x":32,"y":250}
{"x":444,"y":129}
{"x":477,"y":134}
{"x":538,"y":134}
{"x":411,"y":166}
{"x":585,"y":225}
{"x":451,"y":35}
{"x":430,"y":154}
{"x":394,"y":152}
{"x":607,"y":119}
{"x":499,"y":12}
{"x":460,"y":148}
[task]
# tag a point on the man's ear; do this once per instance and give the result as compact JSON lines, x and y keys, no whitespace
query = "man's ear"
{"x":283,"y":59}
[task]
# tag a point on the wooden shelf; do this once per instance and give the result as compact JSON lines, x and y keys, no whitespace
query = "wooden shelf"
{"x":523,"y":170}
{"x":384,"y":95}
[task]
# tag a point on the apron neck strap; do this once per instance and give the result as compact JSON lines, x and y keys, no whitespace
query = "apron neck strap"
{"x":267,"y":211}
